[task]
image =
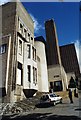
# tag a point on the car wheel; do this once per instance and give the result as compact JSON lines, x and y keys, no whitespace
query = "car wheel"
{"x":54,"y":103}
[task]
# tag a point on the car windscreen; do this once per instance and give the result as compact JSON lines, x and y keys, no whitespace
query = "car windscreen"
{"x":52,"y":95}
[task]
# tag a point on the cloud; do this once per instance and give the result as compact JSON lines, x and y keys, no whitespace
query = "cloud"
{"x":37,"y":25}
{"x":78,"y":51}
{"x":4,"y":1}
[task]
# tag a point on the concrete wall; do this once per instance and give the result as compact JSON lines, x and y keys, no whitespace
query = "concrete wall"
{"x":39,"y":73}
{"x":64,"y":78}
{"x":11,"y":14}
{"x":54,"y":73}
{"x":22,"y":17}
{"x":8,"y":27}
{"x":57,"y":73}
{"x":43,"y":80}
{"x":20,"y":57}
{"x":53,"y":53}
{"x":4,"y":61}
{"x":26,"y":19}
{"x":69,"y":75}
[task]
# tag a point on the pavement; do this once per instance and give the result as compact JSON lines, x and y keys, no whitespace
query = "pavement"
{"x":64,"y":111}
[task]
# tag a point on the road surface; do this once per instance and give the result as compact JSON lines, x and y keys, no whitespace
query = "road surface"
{"x":64,"y":111}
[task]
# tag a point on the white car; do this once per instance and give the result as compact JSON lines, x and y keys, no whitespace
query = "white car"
{"x":50,"y":99}
{"x":55,"y":98}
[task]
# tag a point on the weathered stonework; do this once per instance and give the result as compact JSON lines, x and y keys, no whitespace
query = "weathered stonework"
{"x":12,"y":14}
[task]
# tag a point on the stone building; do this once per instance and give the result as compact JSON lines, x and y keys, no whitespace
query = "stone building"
{"x":18,"y":55}
{"x":56,"y":73}
{"x":52,"y":43}
{"x":62,"y":61}
{"x":69,"y":61}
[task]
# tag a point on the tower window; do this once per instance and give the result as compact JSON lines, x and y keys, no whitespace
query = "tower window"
{"x":2,"y":48}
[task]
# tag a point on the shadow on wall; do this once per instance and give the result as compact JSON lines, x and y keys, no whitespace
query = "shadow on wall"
{"x":39,"y":116}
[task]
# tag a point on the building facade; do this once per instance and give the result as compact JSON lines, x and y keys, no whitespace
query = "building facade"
{"x":18,"y":55}
{"x":43,"y":85}
{"x":69,"y":59}
{"x":62,"y":60}
{"x":56,"y":74}
{"x":57,"y":78}
{"x":52,"y":43}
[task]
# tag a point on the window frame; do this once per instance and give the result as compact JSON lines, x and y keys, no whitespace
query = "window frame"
{"x":3,"y":49}
{"x":34,"y":75}
{"x":29,"y":73}
{"x":34,"y":53}
{"x":28,"y":51}
{"x":25,"y":32}
{"x":20,"y":29}
{"x":28,"y":37}
{"x":20,"y":48}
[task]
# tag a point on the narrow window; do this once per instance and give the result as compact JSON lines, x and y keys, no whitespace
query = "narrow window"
{"x":29,"y":79}
{"x":2,"y":48}
{"x":33,"y":53}
{"x":25,"y":32}
{"x":20,"y":73}
{"x":28,"y":37}
{"x":33,"y":75}
{"x":20,"y":47}
{"x":28,"y":51}
{"x":31,"y":39}
{"x":21,"y":28}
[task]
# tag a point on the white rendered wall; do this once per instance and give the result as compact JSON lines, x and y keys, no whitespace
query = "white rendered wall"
{"x":32,"y":63}
{"x":64,"y":78}
{"x":43,"y":82}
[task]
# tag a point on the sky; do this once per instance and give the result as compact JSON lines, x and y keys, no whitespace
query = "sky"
{"x":65,"y":15}
{"x":4,"y":1}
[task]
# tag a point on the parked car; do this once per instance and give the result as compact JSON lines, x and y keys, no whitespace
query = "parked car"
{"x":51,"y":98}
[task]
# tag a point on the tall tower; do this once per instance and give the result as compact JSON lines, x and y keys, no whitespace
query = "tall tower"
{"x":53,"y":54}
{"x":56,"y":73}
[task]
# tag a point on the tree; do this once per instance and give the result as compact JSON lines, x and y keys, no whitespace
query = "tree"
{"x":72,"y":83}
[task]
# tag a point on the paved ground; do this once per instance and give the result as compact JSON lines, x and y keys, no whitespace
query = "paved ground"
{"x":64,"y":111}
